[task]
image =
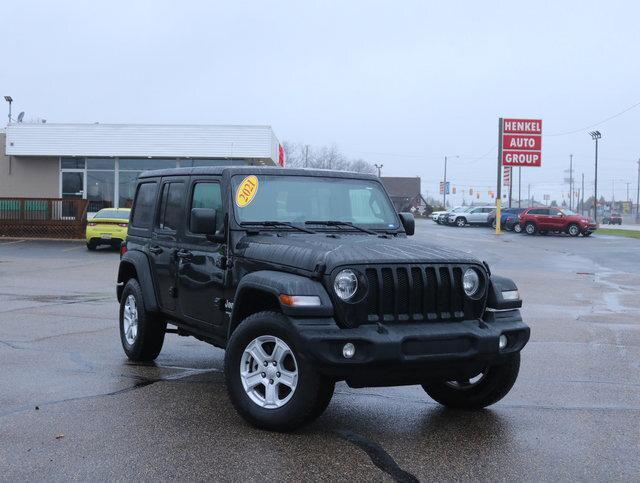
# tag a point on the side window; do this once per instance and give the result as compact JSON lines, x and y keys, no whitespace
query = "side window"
{"x":208,"y":195}
{"x":554,"y":212}
{"x":144,"y":205}
{"x":171,"y":207}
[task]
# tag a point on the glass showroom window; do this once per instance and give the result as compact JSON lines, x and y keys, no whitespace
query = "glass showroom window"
{"x":101,"y":183}
{"x":128,"y":172}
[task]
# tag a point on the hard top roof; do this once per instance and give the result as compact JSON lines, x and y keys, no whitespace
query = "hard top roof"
{"x":258,"y":170}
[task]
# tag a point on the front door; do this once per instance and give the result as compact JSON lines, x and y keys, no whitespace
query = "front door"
{"x":72,"y":189}
{"x":202,"y":271}
{"x":164,"y":240}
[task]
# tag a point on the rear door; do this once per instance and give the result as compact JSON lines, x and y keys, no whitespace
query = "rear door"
{"x":202,"y":262}
{"x":541,"y":216}
{"x":474,"y":215}
{"x":164,"y":240}
{"x":555,"y":219}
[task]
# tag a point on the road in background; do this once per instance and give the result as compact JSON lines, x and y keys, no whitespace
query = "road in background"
{"x":72,"y":406}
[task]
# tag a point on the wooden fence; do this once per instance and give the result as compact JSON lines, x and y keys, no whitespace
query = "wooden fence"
{"x":43,"y":217}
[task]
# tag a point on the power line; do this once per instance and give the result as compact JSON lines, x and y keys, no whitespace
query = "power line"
{"x":582,"y":129}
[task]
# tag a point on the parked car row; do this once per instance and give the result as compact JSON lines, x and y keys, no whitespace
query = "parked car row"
{"x":532,"y":221}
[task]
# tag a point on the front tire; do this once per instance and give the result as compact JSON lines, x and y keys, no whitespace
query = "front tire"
{"x":141,"y":333}
{"x":479,"y":392}
{"x":269,"y":381}
{"x":461,"y":221}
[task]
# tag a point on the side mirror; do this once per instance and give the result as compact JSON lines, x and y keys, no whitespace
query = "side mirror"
{"x":203,"y":221}
{"x":408,"y":222}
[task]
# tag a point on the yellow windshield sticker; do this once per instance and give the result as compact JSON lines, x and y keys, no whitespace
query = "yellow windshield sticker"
{"x":246,"y":191}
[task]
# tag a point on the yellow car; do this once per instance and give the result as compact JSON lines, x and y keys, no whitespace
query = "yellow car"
{"x":108,"y":227}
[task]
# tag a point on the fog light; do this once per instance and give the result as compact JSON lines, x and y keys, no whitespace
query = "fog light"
{"x":502,"y":342}
{"x":349,"y":350}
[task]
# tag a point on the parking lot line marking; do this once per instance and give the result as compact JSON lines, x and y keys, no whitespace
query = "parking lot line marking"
{"x":72,"y":248}
{"x":13,"y":242}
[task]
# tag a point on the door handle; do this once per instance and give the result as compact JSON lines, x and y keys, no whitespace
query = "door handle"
{"x":184,"y":254}
{"x":156,"y":250}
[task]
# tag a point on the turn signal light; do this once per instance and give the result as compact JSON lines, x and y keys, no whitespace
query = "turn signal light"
{"x":300,"y":300}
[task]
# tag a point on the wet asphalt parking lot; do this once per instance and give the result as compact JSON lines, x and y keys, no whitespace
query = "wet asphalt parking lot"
{"x":73,"y":407}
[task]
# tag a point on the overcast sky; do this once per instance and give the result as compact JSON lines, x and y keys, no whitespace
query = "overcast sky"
{"x":400,"y":83}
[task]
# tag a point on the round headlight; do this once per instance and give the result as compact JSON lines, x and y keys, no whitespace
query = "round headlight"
{"x":345,"y":284}
{"x":471,"y":282}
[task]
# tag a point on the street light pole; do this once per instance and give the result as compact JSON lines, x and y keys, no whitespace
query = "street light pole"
{"x":595,"y":135}
{"x":9,"y":99}
{"x":379,"y":168}
{"x":638,"y":195}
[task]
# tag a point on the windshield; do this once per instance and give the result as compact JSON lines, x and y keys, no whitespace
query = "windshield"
{"x":119,"y":214}
{"x":296,"y":199}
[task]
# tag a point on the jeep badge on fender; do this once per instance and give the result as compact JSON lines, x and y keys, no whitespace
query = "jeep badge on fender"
{"x":307,"y":278}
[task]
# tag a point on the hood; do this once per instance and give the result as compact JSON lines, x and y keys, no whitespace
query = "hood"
{"x":306,"y":251}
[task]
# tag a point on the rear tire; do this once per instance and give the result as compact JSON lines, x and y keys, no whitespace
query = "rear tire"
{"x":250,"y":383}
{"x":517,"y":228}
{"x":530,"y":228}
{"x":573,"y":229}
{"x":141,"y":333}
{"x":91,"y":245}
{"x":493,"y":224}
{"x":494,"y":384}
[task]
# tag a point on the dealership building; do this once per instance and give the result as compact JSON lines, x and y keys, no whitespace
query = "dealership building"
{"x":101,"y":162}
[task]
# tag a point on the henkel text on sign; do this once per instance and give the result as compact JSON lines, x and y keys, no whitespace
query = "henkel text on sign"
{"x":521,"y":142}
{"x":522,"y":126}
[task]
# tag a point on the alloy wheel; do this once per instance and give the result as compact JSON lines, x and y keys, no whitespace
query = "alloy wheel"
{"x":130,"y":320}
{"x":269,"y":372}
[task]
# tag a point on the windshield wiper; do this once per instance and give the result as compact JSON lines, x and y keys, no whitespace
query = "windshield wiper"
{"x":341,"y":223}
{"x":276,"y":224}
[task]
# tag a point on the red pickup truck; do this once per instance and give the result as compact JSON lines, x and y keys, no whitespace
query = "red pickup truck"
{"x":543,"y":220}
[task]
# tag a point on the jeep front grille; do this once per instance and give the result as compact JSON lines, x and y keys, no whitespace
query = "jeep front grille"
{"x":417,"y":293}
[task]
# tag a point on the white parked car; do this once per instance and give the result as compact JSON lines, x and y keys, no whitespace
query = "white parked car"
{"x":436,"y":214}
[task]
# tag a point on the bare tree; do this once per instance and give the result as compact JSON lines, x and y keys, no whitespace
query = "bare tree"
{"x":324,"y":157}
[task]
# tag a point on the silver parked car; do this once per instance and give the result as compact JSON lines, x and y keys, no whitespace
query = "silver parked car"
{"x":477,"y":215}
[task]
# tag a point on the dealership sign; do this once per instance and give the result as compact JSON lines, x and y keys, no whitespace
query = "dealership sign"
{"x":521,"y":142}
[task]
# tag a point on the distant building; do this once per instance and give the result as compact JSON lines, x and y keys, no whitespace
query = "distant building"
{"x":405,"y":195}
{"x":101,"y":162}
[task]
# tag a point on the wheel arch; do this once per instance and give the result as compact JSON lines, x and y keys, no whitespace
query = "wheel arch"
{"x":135,"y":264}
{"x":260,"y":291}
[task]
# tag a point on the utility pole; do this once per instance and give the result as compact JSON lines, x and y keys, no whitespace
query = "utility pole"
{"x":529,"y":194}
{"x":306,"y":155}
{"x":510,"y":184}
{"x":379,"y":167}
{"x":519,"y":186}
{"x":595,"y":135}
{"x":444,"y":188}
{"x":499,"y":183}
{"x":638,"y":195}
{"x":570,"y":181}
{"x":582,"y":196}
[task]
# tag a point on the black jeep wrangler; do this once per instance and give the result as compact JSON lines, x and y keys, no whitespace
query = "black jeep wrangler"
{"x":307,"y":278}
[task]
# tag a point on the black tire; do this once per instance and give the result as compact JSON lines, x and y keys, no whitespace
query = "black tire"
{"x":530,"y":228}
{"x":92,"y":245}
{"x":586,"y":233}
{"x":150,"y":331}
{"x":493,"y":224}
{"x":312,"y":394}
{"x":493,"y":386}
{"x":573,"y":229}
{"x":461,"y":221}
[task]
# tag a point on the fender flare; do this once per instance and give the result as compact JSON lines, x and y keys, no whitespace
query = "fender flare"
{"x":140,"y":263}
{"x":277,"y":283}
{"x":497,"y":285}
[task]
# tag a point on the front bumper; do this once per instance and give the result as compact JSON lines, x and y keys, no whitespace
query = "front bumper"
{"x":410,"y":353}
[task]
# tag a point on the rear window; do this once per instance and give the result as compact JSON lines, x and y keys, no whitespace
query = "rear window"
{"x":121,"y":215}
{"x":144,"y":205}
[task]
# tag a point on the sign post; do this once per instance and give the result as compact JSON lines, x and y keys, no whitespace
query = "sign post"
{"x":519,"y":144}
